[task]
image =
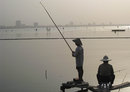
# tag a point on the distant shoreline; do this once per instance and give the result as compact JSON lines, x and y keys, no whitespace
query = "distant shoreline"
{"x":45,"y":26}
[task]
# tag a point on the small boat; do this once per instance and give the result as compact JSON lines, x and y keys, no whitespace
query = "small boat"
{"x":118,"y":30}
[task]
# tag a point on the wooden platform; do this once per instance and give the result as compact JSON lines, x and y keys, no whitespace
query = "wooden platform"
{"x":72,"y":84}
{"x":120,"y":86}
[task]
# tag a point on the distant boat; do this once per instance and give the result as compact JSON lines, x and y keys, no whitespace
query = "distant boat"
{"x":118,"y":30}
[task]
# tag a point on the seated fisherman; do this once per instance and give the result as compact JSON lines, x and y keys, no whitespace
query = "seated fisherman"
{"x":105,"y":72}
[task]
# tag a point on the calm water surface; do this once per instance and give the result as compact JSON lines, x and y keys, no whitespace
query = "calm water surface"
{"x":23,"y":63}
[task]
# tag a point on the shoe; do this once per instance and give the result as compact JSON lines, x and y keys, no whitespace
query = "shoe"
{"x":99,"y":86}
{"x":110,"y":86}
{"x":75,"y":79}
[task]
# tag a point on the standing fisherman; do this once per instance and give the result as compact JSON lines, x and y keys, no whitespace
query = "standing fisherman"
{"x":79,"y":55}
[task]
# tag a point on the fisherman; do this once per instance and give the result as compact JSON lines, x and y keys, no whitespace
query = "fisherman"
{"x":79,"y":55}
{"x":105,"y":72}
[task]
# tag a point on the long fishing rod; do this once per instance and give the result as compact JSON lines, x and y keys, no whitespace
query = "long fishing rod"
{"x":56,"y":25}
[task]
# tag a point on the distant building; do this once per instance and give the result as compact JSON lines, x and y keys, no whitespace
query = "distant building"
{"x":110,"y":23}
{"x":23,"y":25}
{"x":71,"y":23}
{"x":18,"y":23}
{"x":2,"y":26}
{"x":89,"y":24}
{"x":94,"y":24}
{"x":35,"y":24}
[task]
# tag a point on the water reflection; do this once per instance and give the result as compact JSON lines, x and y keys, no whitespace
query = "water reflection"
{"x":23,"y":63}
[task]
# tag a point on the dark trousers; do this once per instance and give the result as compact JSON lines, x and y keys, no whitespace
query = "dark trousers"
{"x":80,"y":73}
{"x":105,"y":79}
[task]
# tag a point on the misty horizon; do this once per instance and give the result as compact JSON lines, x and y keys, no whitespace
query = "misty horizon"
{"x":65,"y":11}
{"x":68,"y":24}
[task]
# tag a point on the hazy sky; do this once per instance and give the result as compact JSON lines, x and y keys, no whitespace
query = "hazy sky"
{"x":65,"y":11}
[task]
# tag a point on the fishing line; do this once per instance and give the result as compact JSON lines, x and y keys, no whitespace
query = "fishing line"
{"x":119,"y":70}
{"x":44,"y":72}
{"x":55,"y":25}
{"x":123,"y":81}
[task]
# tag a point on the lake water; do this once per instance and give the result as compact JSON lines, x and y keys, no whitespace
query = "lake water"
{"x":23,"y":63}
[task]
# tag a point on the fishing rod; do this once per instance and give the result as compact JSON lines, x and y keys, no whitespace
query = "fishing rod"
{"x":56,"y":25}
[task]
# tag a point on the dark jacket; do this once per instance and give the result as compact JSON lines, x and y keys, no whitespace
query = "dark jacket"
{"x":79,"y":54}
{"x":105,"y":69}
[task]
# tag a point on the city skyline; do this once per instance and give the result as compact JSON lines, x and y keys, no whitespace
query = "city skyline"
{"x":20,"y":24}
{"x":69,"y":23}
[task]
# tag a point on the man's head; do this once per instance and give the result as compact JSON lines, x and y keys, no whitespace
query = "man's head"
{"x":105,"y":59}
{"x":77,"y":42}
